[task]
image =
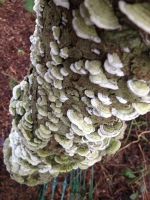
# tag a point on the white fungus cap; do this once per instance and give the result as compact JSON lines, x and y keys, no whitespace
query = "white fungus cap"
{"x":57,"y":83}
{"x":38,"y":7}
{"x":78,"y":68}
{"x":89,"y":93}
{"x":113,"y":64}
{"x":102,"y":81}
{"x":41,"y":69}
{"x":77,"y":119}
{"x":63,"y":3}
{"x":54,"y":48}
{"x":63,"y":96}
{"x":69,"y":135}
{"x":126,"y":113}
{"x":48,"y":78}
{"x":16,"y":92}
{"x":100,"y":109}
{"x":93,"y":137}
{"x":64,"y":52}
{"x":56,"y":59}
{"x":79,"y":65}
{"x":121,"y":100}
{"x":111,"y":130}
{"x":101,"y":14}
{"x":145,"y":99}
{"x":94,"y":67}
{"x":64,"y":71}
{"x":141,"y":108}
{"x":96,"y":51}
{"x":55,"y":72}
{"x":138,"y":87}
{"x":39,"y":22}
{"x":126,"y":49}
{"x":63,"y":141}
{"x":85,"y":14}
{"x":138,"y":13}
{"x":114,"y":60}
{"x":49,"y":65}
{"x":24,"y":85}
{"x":82,"y":30}
{"x":112,"y":70}
{"x":111,"y":84}
{"x":56,"y":32}
{"x":76,"y":130}
{"x":104,"y":99}
{"x":98,"y":78}
{"x":88,"y":120}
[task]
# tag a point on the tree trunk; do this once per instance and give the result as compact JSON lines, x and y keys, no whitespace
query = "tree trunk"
{"x":71,"y":108}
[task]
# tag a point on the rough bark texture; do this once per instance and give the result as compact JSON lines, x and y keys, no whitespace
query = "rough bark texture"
{"x":35,"y":151}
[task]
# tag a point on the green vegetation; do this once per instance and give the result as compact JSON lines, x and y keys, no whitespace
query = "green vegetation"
{"x":20,"y":51}
{"x":136,"y":178}
{"x":29,"y":5}
{"x":2,"y":1}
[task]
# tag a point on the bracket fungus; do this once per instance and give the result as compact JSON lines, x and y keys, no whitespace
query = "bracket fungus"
{"x":63,"y":3}
{"x":113,"y":64}
{"x":102,"y":14}
{"x":138,"y":13}
{"x":138,"y":87}
{"x":71,"y":109}
{"x":82,"y":29}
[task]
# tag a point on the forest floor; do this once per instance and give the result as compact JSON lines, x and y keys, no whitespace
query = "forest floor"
{"x":124,"y":176}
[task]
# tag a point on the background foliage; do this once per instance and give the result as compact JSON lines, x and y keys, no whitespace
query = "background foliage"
{"x":29,"y":5}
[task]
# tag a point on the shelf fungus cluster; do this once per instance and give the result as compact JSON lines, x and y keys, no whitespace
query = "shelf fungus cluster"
{"x":72,"y":107}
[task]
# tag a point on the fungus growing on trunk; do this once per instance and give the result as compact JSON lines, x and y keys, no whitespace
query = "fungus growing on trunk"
{"x":102,"y":14}
{"x":82,"y":29}
{"x":138,"y":13}
{"x":70,"y":110}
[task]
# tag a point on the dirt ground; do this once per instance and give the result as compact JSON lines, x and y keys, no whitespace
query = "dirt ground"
{"x":115,"y":178}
